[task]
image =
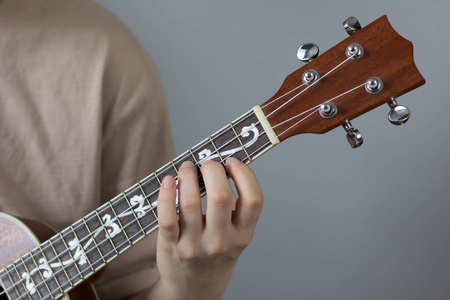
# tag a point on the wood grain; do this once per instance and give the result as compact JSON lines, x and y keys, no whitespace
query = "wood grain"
{"x":387,"y":55}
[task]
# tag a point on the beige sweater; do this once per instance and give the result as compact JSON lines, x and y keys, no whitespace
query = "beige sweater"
{"x":82,"y":117}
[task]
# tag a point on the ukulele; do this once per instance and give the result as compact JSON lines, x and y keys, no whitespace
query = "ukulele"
{"x":373,"y":66}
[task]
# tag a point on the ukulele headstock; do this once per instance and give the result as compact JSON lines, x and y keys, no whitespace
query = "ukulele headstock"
{"x":373,"y":66}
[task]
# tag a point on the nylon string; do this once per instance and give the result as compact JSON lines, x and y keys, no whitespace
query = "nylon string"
{"x":136,"y":186}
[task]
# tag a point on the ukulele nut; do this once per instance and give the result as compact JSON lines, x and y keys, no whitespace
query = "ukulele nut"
{"x":354,"y":51}
{"x":328,"y":110}
{"x":311,"y":77}
{"x":374,"y":85}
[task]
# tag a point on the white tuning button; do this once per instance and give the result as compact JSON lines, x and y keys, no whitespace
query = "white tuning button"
{"x":399,"y":114}
{"x":307,"y":52}
{"x":354,"y":138}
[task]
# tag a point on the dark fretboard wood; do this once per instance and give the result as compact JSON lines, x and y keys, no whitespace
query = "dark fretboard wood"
{"x":68,"y":258}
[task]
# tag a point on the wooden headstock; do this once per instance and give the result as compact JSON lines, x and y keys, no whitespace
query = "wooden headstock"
{"x":387,"y":55}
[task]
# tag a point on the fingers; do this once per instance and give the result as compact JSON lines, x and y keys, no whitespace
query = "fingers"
{"x":250,"y":201}
{"x":220,"y":196}
{"x":167,"y":213}
{"x":221,"y":202}
{"x":196,"y":257}
{"x":191,"y":218}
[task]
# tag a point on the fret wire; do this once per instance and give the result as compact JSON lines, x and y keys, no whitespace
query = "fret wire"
{"x":146,"y":195}
{"x":157,"y":178}
{"x":237,"y":121}
{"x":70,"y":254}
{"x":13,"y":283}
{"x":56,"y":278}
{"x":174,"y":167}
{"x":23,"y":284}
{"x":76,"y":283}
{"x":243,"y":117}
{"x":148,"y":201}
{"x":240,"y":142}
{"x":267,"y":144}
{"x":2,"y":283}
{"x":95,"y":242}
{"x":63,"y":267}
{"x":74,"y":261}
{"x":39,"y":272}
{"x":110,"y":240}
{"x":59,"y":260}
{"x":134,"y":214}
{"x":32,"y":280}
{"x":215,"y":150}
{"x":87,"y":257}
{"x":193,"y":156}
{"x":105,"y":205}
{"x":121,"y":225}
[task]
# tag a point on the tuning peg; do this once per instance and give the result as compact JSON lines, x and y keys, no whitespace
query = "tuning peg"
{"x":398,"y":114}
{"x":307,"y":52}
{"x":351,"y":25}
{"x":354,"y":138}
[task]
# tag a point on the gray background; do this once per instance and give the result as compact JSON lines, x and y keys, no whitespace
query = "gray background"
{"x":338,"y":223}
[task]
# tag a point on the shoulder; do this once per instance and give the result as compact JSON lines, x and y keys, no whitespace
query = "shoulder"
{"x":80,"y":23}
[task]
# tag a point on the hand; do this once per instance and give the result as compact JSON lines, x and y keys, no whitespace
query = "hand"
{"x":196,"y":254}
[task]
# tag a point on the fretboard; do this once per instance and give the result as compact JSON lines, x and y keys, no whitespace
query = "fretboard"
{"x":68,"y":258}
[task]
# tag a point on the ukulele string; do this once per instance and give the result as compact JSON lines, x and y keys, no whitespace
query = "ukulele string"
{"x":99,"y":243}
{"x":315,"y":109}
{"x":267,"y":116}
{"x":282,"y":96}
{"x":65,"y":267}
{"x":133,"y":188}
{"x":147,"y":196}
{"x":106,"y":240}
{"x":259,"y":135}
{"x":85,"y":238}
{"x":218,"y":150}
{"x":320,"y":78}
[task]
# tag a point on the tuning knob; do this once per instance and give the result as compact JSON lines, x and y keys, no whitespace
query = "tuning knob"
{"x":351,"y":25}
{"x":354,"y":138}
{"x":398,"y":114}
{"x":307,"y":52}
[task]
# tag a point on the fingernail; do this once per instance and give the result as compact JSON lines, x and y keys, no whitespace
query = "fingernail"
{"x":232,"y":161}
{"x":168,"y":182}
{"x":187,"y":164}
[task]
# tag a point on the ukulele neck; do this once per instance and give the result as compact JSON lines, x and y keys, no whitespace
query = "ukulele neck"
{"x":68,"y":258}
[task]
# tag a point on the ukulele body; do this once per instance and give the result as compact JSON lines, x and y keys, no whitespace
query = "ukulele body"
{"x":20,"y":236}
